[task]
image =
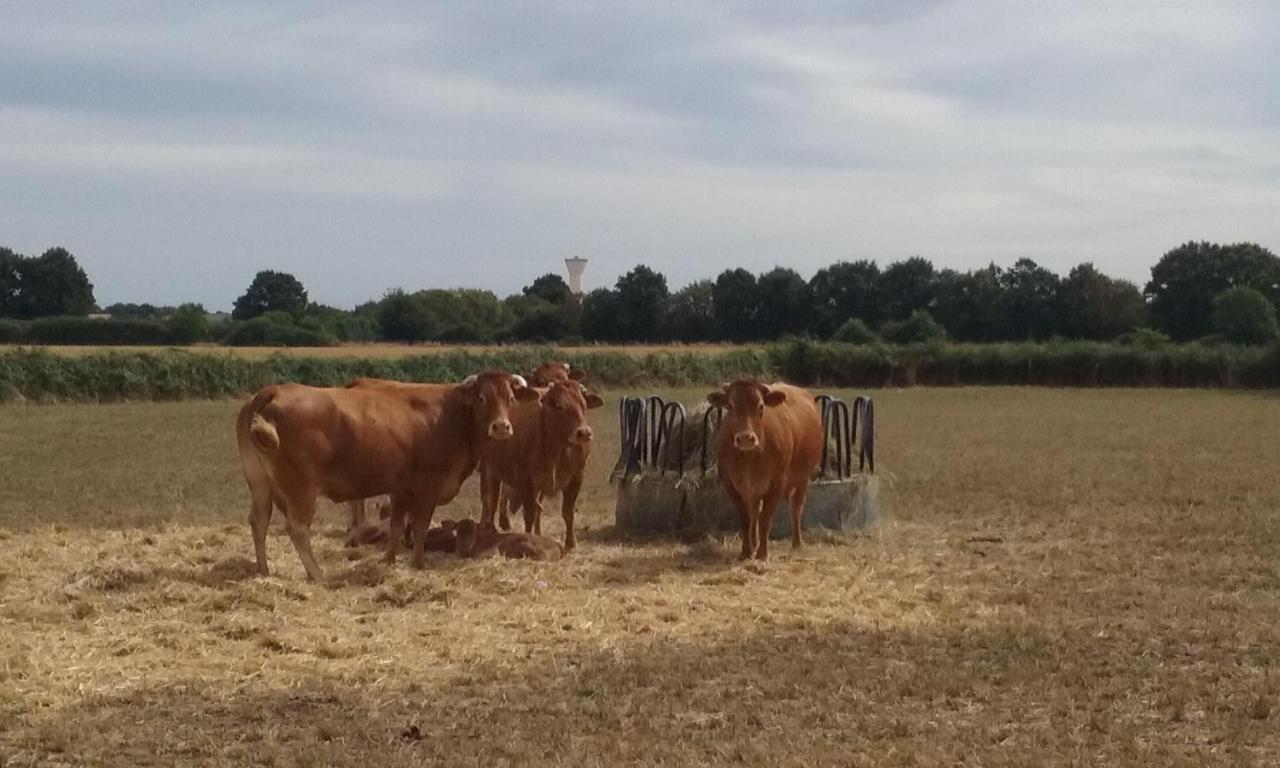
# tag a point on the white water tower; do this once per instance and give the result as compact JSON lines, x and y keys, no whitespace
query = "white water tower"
{"x":576,"y":267}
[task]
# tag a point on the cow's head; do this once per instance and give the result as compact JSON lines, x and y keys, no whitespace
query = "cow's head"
{"x":492,"y":393}
{"x":744,"y":402}
{"x":467,"y":532}
{"x":564,"y":412}
{"x":549,"y":373}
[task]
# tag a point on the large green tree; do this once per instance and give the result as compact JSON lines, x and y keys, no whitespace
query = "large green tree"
{"x":1095,"y":306}
{"x":551,"y":288}
{"x":271,"y":291}
{"x":689,"y":313}
{"x":906,"y":286}
{"x":1187,"y":278}
{"x":405,"y":317}
{"x":600,"y":316}
{"x":734,"y":302}
{"x":1030,"y":301}
{"x":642,"y":297}
{"x":843,"y":291}
{"x":50,"y":284}
{"x":1244,"y":315}
{"x":970,"y":304}
{"x":10,"y":282}
{"x":783,"y":303}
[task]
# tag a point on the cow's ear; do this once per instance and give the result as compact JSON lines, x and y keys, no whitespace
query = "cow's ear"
{"x":577,"y":374}
{"x":718,"y":399}
{"x":594,"y":400}
{"x":526,"y":394}
{"x":775,"y":397}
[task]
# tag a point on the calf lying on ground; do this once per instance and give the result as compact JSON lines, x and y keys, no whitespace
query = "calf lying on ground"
{"x":442,"y":538}
{"x":475,"y":541}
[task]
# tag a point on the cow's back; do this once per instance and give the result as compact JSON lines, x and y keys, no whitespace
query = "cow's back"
{"x":352,"y":442}
{"x":796,"y":424}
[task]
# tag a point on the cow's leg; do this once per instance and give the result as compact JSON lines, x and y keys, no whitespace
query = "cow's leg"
{"x":395,"y":527}
{"x":798,"y":495}
{"x":531,"y":502}
{"x":422,"y":513}
{"x":568,"y":508}
{"x":356,"y":509}
{"x":490,"y":493}
{"x":764,"y":522}
{"x":259,"y":519}
{"x":506,"y":506}
{"x":299,"y":512}
{"x":746,"y":517}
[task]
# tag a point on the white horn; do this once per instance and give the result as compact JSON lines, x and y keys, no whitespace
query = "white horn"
{"x":520,"y":380}
{"x":567,"y":367}
{"x":470,"y":380}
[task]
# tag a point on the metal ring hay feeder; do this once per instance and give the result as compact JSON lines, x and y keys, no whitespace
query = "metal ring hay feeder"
{"x":666,"y":470}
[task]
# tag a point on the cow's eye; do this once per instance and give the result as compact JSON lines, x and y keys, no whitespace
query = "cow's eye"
{"x":760,"y":409}
{"x":484,"y":399}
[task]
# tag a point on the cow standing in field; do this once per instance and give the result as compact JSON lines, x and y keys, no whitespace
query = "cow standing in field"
{"x":550,"y":372}
{"x":476,"y":541}
{"x":417,"y":443}
{"x":547,"y":455}
{"x":543,"y":376}
{"x":770,"y":442}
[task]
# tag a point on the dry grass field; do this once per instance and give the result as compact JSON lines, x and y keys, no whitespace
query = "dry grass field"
{"x":1064,"y":578}
{"x":374,"y":350}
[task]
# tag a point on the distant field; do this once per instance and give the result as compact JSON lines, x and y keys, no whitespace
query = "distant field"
{"x":1066,"y":577}
{"x":373,"y":350}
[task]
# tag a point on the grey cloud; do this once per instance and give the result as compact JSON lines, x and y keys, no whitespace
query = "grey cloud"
{"x":366,"y":146}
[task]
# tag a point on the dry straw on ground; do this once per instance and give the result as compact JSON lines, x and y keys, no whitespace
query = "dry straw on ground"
{"x":1067,"y":578}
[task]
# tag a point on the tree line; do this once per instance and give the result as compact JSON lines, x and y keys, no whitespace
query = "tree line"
{"x":1198,"y":290}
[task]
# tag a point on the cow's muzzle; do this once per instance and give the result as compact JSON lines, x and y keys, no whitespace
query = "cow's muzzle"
{"x":500,"y":430}
{"x":583,"y":435}
{"x":746,"y":441}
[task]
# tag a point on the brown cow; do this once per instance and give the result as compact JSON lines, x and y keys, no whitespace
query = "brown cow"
{"x":547,"y":455}
{"x":550,"y":372}
{"x":417,"y":443}
{"x":475,"y":541}
{"x":543,"y":376}
{"x":770,"y":443}
{"x":356,"y":507}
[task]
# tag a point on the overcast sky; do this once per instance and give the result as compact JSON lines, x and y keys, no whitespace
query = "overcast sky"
{"x":178,"y":148}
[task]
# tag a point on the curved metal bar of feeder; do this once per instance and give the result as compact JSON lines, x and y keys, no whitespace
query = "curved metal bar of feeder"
{"x":659,"y":438}
{"x":859,"y":415}
{"x":655,"y":405}
{"x":868,"y":453}
{"x":824,"y":409}
{"x":839,"y":433}
{"x":670,"y":413}
{"x":631,"y":428}
{"x":706,"y":433}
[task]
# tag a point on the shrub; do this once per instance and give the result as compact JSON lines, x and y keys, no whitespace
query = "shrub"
{"x":1244,"y":315}
{"x":919,"y":328}
{"x":854,"y":331}
{"x":1148,"y":338}
{"x":188,"y":324}
{"x":266,"y":331}
{"x":82,"y":330}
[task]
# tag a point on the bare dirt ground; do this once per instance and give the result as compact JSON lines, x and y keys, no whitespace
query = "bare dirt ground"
{"x":1065,"y":578}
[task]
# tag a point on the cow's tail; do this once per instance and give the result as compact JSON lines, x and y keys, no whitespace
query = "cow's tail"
{"x":264,"y":434}
{"x":257,"y":433}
